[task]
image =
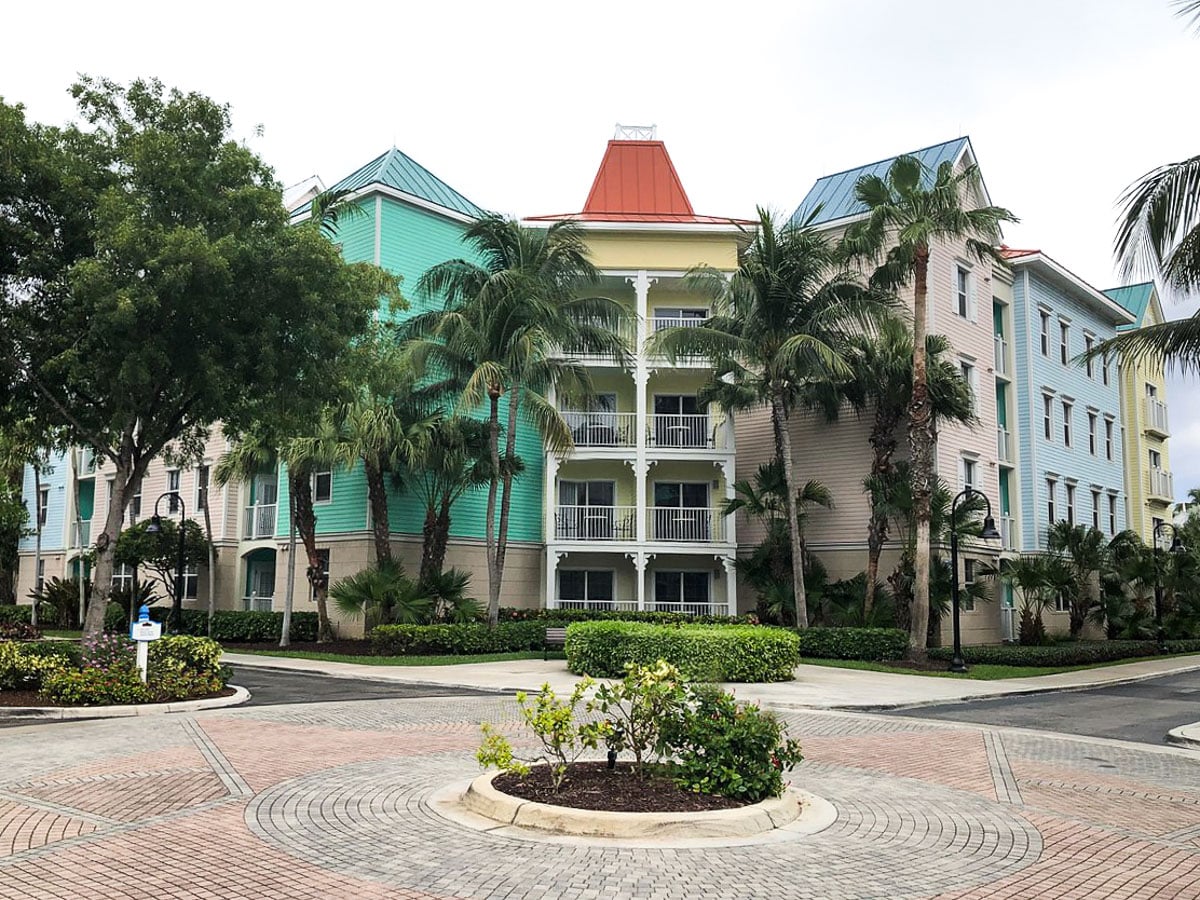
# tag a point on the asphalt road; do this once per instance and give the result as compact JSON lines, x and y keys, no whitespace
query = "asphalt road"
{"x":1143,"y":711}
{"x":271,"y":687}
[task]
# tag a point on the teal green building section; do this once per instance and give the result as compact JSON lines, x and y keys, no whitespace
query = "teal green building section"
{"x":344,"y":512}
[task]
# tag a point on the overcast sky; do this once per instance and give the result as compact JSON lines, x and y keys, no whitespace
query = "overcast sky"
{"x":1066,"y":102}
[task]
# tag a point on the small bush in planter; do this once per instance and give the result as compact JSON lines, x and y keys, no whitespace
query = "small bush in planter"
{"x":639,"y":707}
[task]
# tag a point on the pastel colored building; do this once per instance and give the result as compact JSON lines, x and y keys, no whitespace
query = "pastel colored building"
{"x":1149,"y":486}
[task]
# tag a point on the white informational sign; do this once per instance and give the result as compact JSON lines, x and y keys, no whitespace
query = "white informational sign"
{"x":143,"y":631}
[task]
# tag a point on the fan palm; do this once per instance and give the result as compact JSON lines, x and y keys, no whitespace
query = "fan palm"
{"x":908,"y":210}
{"x":1085,"y":552}
{"x":779,"y":327}
{"x":497,"y":338}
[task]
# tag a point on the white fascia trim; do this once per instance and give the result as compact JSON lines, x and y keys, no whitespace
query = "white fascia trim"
{"x":377,"y":188}
{"x":1118,"y":312}
{"x":658,"y":227}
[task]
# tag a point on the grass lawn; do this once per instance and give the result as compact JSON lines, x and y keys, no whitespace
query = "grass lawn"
{"x":366,"y":660}
{"x":980,"y":672}
{"x":62,"y":633}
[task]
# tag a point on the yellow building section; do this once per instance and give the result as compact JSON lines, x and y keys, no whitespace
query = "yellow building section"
{"x":664,"y":250}
{"x":1149,"y":485}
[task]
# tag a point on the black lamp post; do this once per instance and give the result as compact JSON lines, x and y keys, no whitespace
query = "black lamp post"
{"x":988,"y":533}
{"x":155,"y":527}
{"x":1176,"y":547}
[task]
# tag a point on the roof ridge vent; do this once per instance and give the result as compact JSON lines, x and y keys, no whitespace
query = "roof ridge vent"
{"x":635,"y":133}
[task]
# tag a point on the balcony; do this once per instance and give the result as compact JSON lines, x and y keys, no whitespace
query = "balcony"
{"x":1001,"y":365}
{"x":81,"y":534}
{"x":626,"y":329}
{"x":686,"y":431}
{"x":1161,"y":485}
{"x":1156,"y":417}
{"x":691,"y":609}
{"x":259,"y":522}
{"x":684,"y":525}
{"x":605,"y":605}
{"x":1004,"y":446}
{"x":1008,"y":533}
{"x":595,"y":523}
{"x":601,"y":429}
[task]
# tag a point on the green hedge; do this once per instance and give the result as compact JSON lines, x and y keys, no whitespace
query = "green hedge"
{"x":14,"y":613}
{"x":566,"y":616}
{"x":719,"y":653}
{"x":229,"y":625}
{"x":456,"y":640}
{"x":853,"y":643}
{"x":1068,"y":653}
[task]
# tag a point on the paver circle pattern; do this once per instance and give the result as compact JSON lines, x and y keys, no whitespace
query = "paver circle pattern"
{"x":373,"y":820}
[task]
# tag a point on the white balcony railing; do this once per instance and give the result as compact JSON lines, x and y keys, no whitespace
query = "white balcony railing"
{"x":691,"y":609}
{"x":693,"y":526}
{"x":259,"y":522}
{"x":1161,"y":484}
{"x":1156,"y":416}
{"x":659,"y":323}
{"x":686,"y":431}
{"x":81,"y":534}
{"x":255,"y":603}
{"x":1004,"y":445}
{"x":609,"y":605}
{"x":601,"y":429}
{"x":1001,"y":366}
{"x":626,"y":329}
{"x":595,"y":523}
{"x":1008,"y":533}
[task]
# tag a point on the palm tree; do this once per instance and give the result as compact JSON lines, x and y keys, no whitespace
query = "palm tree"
{"x":778,"y":330}
{"x":498,"y":337}
{"x":1085,"y":553}
{"x":883,"y":365}
{"x":908,"y":210}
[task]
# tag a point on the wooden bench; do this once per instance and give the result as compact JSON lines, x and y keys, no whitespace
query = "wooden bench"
{"x":555,"y":638}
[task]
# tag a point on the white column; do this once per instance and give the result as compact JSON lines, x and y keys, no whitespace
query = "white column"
{"x":730,"y":584}
{"x":550,"y":504}
{"x":641,"y":377}
{"x":552,"y":557}
{"x":639,"y":563}
{"x":727,"y":471}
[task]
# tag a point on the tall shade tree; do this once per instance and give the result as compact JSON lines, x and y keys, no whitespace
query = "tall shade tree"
{"x":780,"y":326}
{"x":909,"y":210}
{"x":195,"y":302}
{"x":883,"y":367}
{"x":507,"y":317}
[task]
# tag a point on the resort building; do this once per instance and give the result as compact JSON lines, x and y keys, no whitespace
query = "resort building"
{"x":1149,"y":488}
{"x":632,"y":514}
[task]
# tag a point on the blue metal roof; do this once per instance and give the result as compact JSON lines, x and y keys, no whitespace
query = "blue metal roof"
{"x":399,"y":171}
{"x":834,"y":194}
{"x":1134,"y":297}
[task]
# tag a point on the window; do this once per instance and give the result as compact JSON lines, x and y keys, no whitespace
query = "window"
{"x":40,"y":579}
{"x":1108,"y":439}
{"x":962,"y":292}
{"x":583,"y":589}
{"x":1051,"y":484}
{"x":1088,"y":342}
{"x":1061,"y":603}
{"x":43,"y":506}
{"x":1064,"y":342}
{"x":173,"y":485}
{"x":319,"y":574}
{"x":1112,"y":514}
{"x":1096,"y":510}
{"x":966,"y":597}
{"x":1045,"y":332}
{"x":969,"y":472}
{"x":1070,"y":504}
{"x":1104,"y":369}
{"x":587,"y":511}
{"x":679,"y":421}
{"x":1155,"y":522}
{"x":681,"y":511}
{"x":322,"y":486}
{"x":674,"y":588}
{"x":1155,"y":459}
{"x":202,"y":473}
{"x":967,"y":370}
{"x":122,"y":579}
{"x":135,"y":507}
{"x":1092,"y":433}
{"x":1066,"y":409}
{"x":1151,"y":392}
{"x":1048,"y":416}
{"x":191,"y":582}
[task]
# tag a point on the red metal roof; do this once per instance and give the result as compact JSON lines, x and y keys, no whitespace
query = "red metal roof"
{"x":1012,"y":253}
{"x":637,"y":182}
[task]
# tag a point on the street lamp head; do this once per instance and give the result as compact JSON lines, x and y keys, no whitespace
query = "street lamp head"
{"x":155,"y":526}
{"x":1177,"y":545}
{"x":989,"y":532}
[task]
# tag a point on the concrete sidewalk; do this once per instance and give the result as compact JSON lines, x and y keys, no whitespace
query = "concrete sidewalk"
{"x":1185,"y":736}
{"x":815,"y":687}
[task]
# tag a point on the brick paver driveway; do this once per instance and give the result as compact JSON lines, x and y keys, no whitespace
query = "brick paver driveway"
{"x":330,"y":801}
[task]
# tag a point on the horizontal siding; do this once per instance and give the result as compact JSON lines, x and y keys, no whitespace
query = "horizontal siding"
{"x":346,"y":510}
{"x":55,"y":476}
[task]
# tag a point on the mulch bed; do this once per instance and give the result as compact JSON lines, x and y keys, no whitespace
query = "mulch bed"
{"x":33,"y":698}
{"x":593,"y":786}
{"x":347,"y":648}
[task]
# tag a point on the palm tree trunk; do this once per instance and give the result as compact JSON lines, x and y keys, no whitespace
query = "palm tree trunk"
{"x":37,"y":546}
{"x":510,"y":448}
{"x":306,"y":524}
{"x":779,"y":416}
{"x":212,"y":563}
{"x":883,"y":441}
{"x":289,"y":592}
{"x":380,"y":524}
{"x":494,"y":573}
{"x":920,"y":433}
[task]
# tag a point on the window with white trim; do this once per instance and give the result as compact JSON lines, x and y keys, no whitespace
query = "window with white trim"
{"x":1108,"y":439}
{"x":968,"y":372}
{"x":586,"y":588}
{"x":1045,"y":333}
{"x":1070,"y":504}
{"x":1051,"y":484}
{"x":1155,"y":459}
{"x":1061,"y":603}
{"x":1112,"y":514}
{"x":39,"y":580}
{"x":203,"y":471}
{"x":1088,"y":342}
{"x":173,"y":487}
{"x":1104,"y":369}
{"x":968,"y":472}
{"x":1064,"y":341}
{"x":1092,"y":433}
{"x":43,"y":506}
{"x":122,"y":578}
{"x":1048,"y":417}
{"x":135,"y":507}
{"x":191,"y":581}
{"x":1096,"y":510}
{"x":1067,"y":408}
{"x":674,"y":588}
{"x":969,"y":573}
{"x":962,"y":292}
{"x":322,"y":486}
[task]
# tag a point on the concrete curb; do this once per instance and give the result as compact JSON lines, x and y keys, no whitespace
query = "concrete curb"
{"x":43,"y":713}
{"x":381,"y":678}
{"x":1185,"y":736}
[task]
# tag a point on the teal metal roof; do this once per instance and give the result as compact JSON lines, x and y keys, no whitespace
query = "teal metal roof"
{"x":401,"y":172}
{"x":834,"y":194}
{"x":1134,"y":297}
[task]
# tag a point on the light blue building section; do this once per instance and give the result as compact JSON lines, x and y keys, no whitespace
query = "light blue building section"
{"x":54,"y":482}
{"x":1080,"y":473}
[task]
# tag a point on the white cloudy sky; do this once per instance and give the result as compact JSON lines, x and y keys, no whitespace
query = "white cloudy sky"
{"x":1066,"y":101}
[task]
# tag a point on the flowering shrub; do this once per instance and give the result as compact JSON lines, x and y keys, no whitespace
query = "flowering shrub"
{"x":639,"y":707}
{"x":18,"y":631}
{"x":23,"y":670}
{"x":93,"y":686}
{"x":107,"y":650}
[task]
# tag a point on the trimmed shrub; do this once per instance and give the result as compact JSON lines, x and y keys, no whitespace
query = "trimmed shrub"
{"x":91,"y":686}
{"x":456,"y":639}
{"x":566,"y":616}
{"x":853,"y":643}
{"x":710,"y":652}
{"x":229,"y":625}
{"x":1068,"y":653}
{"x":23,"y":670}
{"x":18,"y":631}
{"x":15,"y":614}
